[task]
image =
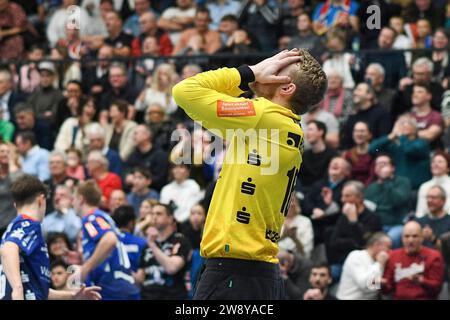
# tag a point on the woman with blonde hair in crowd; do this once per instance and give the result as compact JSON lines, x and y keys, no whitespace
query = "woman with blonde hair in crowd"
{"x":159,"y":89}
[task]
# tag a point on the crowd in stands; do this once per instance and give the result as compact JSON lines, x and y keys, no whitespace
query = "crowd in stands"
{"x":86,"y":93}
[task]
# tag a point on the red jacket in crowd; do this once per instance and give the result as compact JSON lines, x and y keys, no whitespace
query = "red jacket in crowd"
{"x":428,"y":268}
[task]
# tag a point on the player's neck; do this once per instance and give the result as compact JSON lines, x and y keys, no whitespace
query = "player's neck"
{"x":87,"y":210}
{"x":32,"y":212}
{"x":282,"y":102}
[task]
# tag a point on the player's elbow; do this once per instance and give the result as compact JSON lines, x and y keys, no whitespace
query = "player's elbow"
{"x":110,"y":239}
{"x":177,"y":92}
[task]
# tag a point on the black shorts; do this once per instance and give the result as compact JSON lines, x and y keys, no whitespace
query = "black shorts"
{"x":233,"y":279}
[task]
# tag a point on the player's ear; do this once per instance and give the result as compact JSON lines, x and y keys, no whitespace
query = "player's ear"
{"x":287,"y":90}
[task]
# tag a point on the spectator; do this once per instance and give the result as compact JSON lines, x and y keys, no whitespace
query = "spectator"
{"x":429,"y":122}
{"x":393,"y":62}
{"x":422,"y":73}
{"x":120,"y":88}
{"x":221,"y":8}
{"x":97,"y":166}
{"x":71,"y":104}
{"x":132,"y":24}
{"x":211,"y":41}
{"x":96,"y":135}
{"x":146,"y":216}
{"x":96,"y":78}
{"x":142,"y":180}
{"x":391,"y":194}
{"x":239,"y":43}
{"x":164,"y":259}
{"x":317,"y":158}
{"x":117,"y":39}
{"x":58,"y":176}
{"x":331,"y":13}
{"x":68,"y":70}
{"x":60,"y":248}
{"x":367,"y":110}
{"x":295,"y":271}
{"x":424,"y":9}
{"x":182,"y":191}
{"x":374,"y":76}
{"x":118,"y":198}
{"x":410,"y":153}
{"x":353,"y":227}
{"x":9,"y":172}
{"x":228,"y":25}
{"x":368,"y":35}
{"x":34,"y":159}
{"x":338,"y":100}
{"x":26,"y":121}
{"x":6,"y":129}
{"x":161,"y":126}
{"x":414,"y":271}
{"x":260,"y":17}
{"x":176,"y":19}
{"x":149,"y":28}
{"x":8,"y":96}
{"x":320,"y":280}
{"x":46,"y":97}
{"x":59,"y":275}
{"x":358,"y":156}
{"x":148,"y":156}
{"x":423,"y":38}
{"x":363,"y":269}
{"x":440,"y":168}
{"x":75,"y":168}
{"x":297,"y":233}
{"x":318,"y":113}
{"x":437,"y":221}
{"x":119,"y":134}
{"x":402,"y":41}
{"x":62,"y":218}
{"x":145,"y":68}
{"x":73,"y":132}
{"x":290,"y":16}
{"x":13,"y":22}
{"x":192,"y":229}
{"x":124,"y":217}
{"x":338,"y":61}
{"x":160,"y":91}
{"x":440,"y":59}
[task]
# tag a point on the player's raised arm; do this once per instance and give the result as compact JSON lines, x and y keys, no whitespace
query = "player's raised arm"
{"x":11,"y":267}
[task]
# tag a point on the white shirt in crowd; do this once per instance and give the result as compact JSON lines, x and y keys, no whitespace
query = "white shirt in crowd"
{"x":358,"y":275}
{"x":153,"y":96}
{"x":304,"y":234}
{"x":341,"y":64}
{"x":173,"y":12}
{"x":185,"y":195}
{"x":422,"y":207}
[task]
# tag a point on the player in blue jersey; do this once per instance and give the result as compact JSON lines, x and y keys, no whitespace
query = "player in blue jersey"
{"x":25,"y":265}
{"x":125,"y":219}
{"x":106,"y":263}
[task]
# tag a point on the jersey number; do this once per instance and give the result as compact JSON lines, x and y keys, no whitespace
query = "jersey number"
{"x":292,"y":179}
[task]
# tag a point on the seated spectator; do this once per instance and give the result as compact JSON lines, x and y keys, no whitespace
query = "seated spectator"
{"x":29,"y":75}
{"x":46,"y":97}
{"x":330,"y":13}
{"x":146,"y":216}
{"x":297,"y":233}
{"x":96,"y":77}
{"x":422,"y":38}
{"x":424,"y":9}
{"x":160,"y":91}
{"x":375,"y":75}
{"x":316,"y":158}
{"x":221,"y":8}
{"x":323,"y":202}
{"x":228,"y":25}
{"x":336,"y":60}
{"x":132,"y":25}
{"x":429,"y":122}
{"x":73,"y":132}
{"x":295,"y":271}
{"x":34,"y":159}
{"x":437,"y":221}
{"x":13,"y":23}
{"x":260,"y":17}
{"x":142,"y":180}
{"x":402,"y":40}
{"x":117,"y":39}
{"x":176,"y":19}
{"x":391,"y":194}
{"x":211,"y":41}
{"x":119,"y":134}
{"x":393,"y":62}
{"x":354,"y":226}
{"x":413,"y":272}
{"x":182,"y":191}
{"x":410,"y":153}
{"x":367,"y":110}
{"x":146,"y":155}
{"x":125,"y":220}
{"x":59,"y":247}
{"x":59,"y":275}
{"x":161,"y":126}
{"x":118,"y":198}
{"x":75,"y":168}
{"x":422,"y":73}
{"x":97,"y":166}
{"x":58,"y":176}
{"x":96,"y":135}
{"x":239,"y":42}
{"x":68,"y":70}
{"x":440,"y":59}
{"x":319,"y":280}
{"x":144,"y":68}
{"x":71,"y":104}
{"x":164,"y":260}
{"x":358,"y":156}
{"x":362,"y":270}
{"x":149,"y":28}
{"x":338,"y":100}
{"x":440,"y":168}
{"x":9,"y":97}
{"x":6,"y":129}
{"x":64,"y":218}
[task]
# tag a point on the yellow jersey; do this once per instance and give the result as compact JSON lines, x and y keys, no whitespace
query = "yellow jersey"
{"x":252,"y":194}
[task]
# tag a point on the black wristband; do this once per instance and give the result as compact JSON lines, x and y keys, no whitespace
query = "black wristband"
{"x":247,"y":76}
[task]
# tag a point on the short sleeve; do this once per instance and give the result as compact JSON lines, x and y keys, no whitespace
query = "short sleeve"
{"x":26,"y":235}
{"x":96,"y":228}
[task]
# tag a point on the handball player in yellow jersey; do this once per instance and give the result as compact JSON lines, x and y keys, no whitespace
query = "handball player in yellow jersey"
{"x":249,"y":204}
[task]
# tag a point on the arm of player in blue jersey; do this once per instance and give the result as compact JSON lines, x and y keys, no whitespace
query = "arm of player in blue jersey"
{"x":11,"y":268}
